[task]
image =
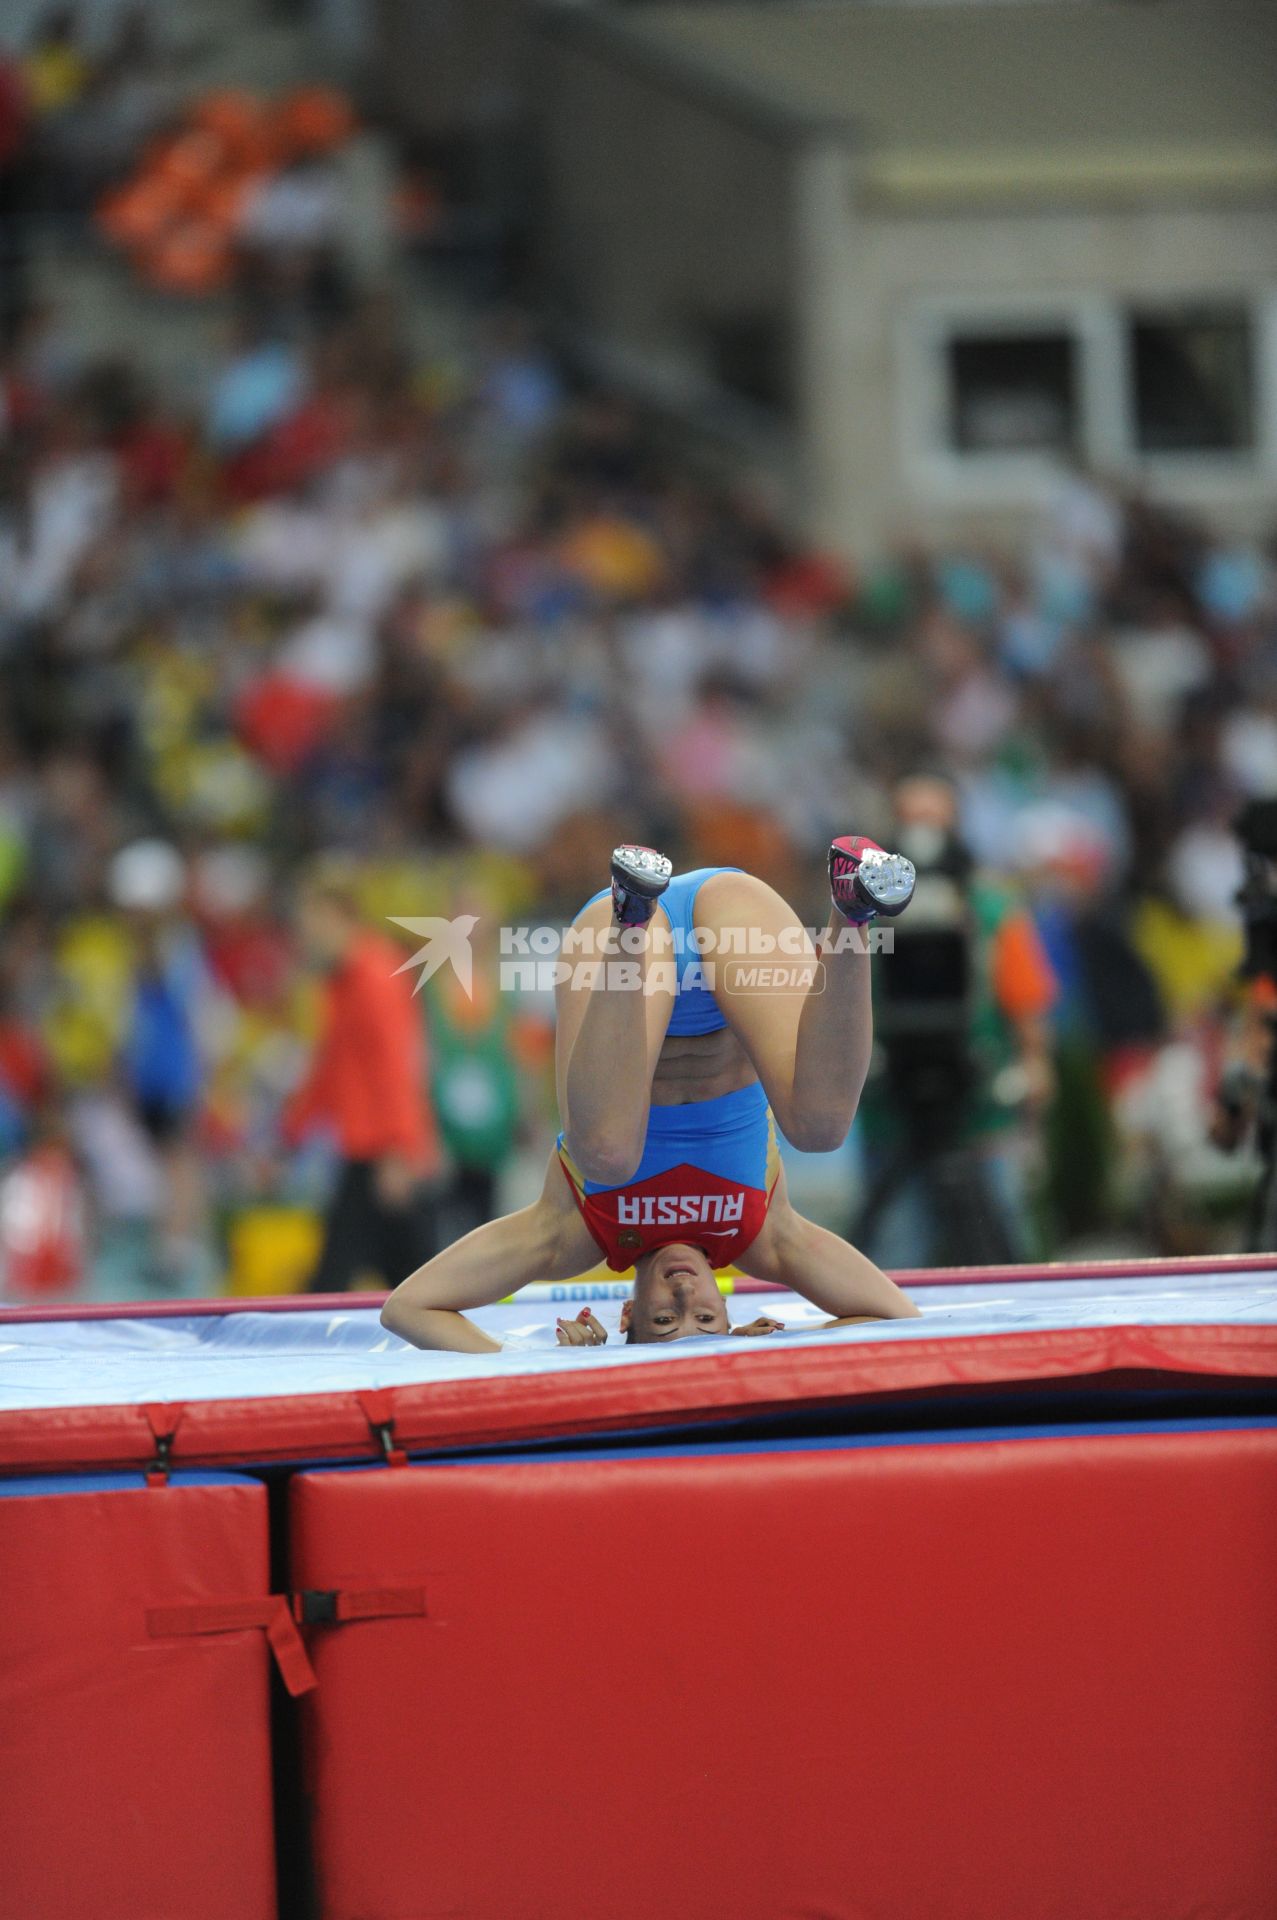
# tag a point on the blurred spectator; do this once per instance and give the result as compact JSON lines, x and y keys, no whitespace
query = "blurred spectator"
{"x":367,"y":1084}
{"x":475,"y":1077}
{"x":43,"y":1249}
{"x":160,"y":1061}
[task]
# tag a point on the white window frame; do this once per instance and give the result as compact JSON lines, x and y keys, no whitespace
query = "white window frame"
{"x":938,"y":473}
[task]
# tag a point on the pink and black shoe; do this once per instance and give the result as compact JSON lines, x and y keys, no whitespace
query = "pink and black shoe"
{"x":865,"y":881}
{"x":640,"y":876}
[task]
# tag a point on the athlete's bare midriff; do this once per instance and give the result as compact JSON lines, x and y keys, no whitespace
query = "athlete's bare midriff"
{"x":700,"y":1066}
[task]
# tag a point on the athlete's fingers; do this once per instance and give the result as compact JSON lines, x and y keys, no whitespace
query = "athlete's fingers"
{"x":581,"y":1332}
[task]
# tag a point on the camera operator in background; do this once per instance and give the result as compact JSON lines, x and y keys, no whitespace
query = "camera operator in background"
{"x":951,"y":1114}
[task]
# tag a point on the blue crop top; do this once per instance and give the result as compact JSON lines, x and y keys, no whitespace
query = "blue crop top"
{"x":695,"y":1010}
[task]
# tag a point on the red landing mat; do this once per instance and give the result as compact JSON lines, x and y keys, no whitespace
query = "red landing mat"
{"x":954,"y":1679}
{"x":134,"y":1701}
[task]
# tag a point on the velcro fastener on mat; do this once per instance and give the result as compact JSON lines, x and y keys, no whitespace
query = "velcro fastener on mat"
{"x":321,"y":1606}
{"x":273,"y":1614}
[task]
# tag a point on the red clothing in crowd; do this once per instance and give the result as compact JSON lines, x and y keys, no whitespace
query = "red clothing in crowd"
{"x":368,"y":1077}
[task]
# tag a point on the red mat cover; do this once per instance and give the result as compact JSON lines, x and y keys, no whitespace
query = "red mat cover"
{"x":135,"y":1732}
{"x":586,"y":1399}
{"x":991,"y":1677}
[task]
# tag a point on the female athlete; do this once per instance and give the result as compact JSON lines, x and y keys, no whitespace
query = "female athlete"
{"x":705,"y":1019}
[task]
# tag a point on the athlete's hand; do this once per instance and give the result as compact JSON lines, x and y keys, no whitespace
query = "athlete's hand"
{"x":584,"y":1331}
{"x":763,"y":1324}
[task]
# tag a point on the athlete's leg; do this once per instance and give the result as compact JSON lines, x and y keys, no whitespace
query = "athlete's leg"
{"x":834,"y":1276}
{"x":611,"y":1020}
{"x":809,"y":1045}
{"x":546,"y":1241}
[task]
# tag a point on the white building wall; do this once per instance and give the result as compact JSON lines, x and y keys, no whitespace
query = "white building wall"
{"x":875,"y":280}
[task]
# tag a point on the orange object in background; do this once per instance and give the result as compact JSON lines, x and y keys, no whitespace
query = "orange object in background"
{"x":137,"y":215}
{"x":240,"y":123}
{"x":179,"y":212}
{"x":223,"y":200}
{"x":193,"y":258}
{"x":189,"y":165}
{"x":1023,"y":984}
{"x":313,"y":120}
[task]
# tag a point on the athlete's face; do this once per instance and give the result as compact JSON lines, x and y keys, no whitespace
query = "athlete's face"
{"x":676,"y":1296}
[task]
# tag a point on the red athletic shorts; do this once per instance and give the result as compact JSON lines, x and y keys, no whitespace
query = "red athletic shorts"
{"x":706,"y":1179}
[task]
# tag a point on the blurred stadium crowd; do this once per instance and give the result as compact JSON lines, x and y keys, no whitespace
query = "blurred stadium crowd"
{"x":457,"y":625}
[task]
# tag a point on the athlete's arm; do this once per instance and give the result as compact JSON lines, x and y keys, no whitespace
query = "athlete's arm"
{"x":436,"y":1329}
{"x":765,"y":1324}
{"x":810,"y":1260}
{"x":546,"y":1241}
{"x":838,"y":1278}
{"x":426,"y":1309}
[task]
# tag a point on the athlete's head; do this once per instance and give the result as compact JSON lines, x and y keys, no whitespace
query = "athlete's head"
{"x":675,"y":1295}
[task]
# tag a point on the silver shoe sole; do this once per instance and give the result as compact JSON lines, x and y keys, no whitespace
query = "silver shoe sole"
{"x":888,"y":878}
{"x":643,"y":869}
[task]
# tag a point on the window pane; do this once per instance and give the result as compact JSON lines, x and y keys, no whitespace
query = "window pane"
{"x":1193,"y":380}
{"x":1013,"y":393}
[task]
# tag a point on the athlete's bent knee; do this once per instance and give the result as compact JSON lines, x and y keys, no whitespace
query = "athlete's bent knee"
{"x":608,"y":1163}
{"x":815,"y":1132}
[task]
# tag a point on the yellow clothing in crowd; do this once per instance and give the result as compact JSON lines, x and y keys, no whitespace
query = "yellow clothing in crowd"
{"x":1194,"y":962}
{"x":56,"y":76}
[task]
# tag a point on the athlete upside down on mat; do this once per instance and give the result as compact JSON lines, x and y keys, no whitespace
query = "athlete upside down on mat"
{"x":667,"y":1090}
